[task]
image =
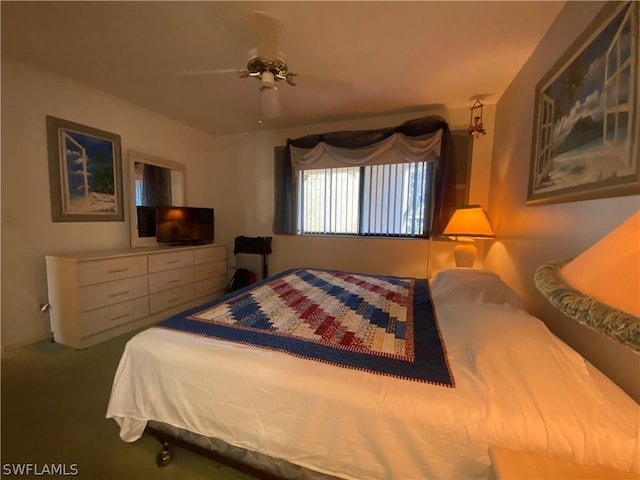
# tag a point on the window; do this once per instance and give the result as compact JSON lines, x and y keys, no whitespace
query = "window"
{"x":618,"y":78}
{"x":350,"y":193}
{"x":329,"y":200}
{"x":385,"y":200}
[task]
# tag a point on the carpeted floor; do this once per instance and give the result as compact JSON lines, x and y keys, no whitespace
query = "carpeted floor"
{"x":54,"y":401}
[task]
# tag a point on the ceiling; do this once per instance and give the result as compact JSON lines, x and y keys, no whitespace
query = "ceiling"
{"x":353,"y":59}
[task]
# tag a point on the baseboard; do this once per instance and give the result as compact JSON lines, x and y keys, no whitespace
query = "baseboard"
{"x":8,"y":348}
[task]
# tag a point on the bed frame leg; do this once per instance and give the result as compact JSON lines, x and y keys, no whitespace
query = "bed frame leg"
{"x":164,"y":457}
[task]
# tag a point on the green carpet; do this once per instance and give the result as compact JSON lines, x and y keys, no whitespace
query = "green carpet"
{"x":53,"y":408}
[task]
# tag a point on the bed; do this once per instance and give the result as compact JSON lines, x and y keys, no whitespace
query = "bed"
{"x":293,"y":406}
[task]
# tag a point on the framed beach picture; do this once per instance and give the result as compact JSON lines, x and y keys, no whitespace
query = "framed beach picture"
{"x":85,"y":173}
{"x":585,"y":137}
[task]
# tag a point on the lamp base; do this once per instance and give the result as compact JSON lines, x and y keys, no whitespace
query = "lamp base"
{"x":465,"y":254}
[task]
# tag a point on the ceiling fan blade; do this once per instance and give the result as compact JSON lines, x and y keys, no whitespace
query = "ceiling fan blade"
{"x":314,"y":81}
{"x":266,"y":29}
{"x":263,"y":30}
{"x":209,"y":72}
{"x":269,"y":104}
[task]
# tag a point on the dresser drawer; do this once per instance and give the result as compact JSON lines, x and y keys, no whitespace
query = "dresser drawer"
{"x":103,"y":294}
{"x":170,"y":298}
{"x":170,"y":260}
{"x":170,"y":279}
{"x":210,"y":286}
{"x":209,"y":270}
{"x":99,"y":271}
{"x":102,"y":319}
{"x":210,"y":254}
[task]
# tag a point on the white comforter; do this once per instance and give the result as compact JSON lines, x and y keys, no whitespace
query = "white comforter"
{"x":517,"y":386}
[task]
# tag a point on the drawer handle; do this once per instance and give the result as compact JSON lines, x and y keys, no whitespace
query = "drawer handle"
{"x":174,"y":299}
{"x":169,"y":262}
{"x":175,"y":280}
{"x":118,"y":317}
{"x":118,"y":294}
{"x":117,"y":270}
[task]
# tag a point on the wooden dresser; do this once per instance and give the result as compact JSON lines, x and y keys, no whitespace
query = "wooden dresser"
{"x":97,"y":296}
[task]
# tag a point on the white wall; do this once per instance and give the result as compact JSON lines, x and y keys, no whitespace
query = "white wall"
{"x":528,"y":236}
{"x":28,"y":234}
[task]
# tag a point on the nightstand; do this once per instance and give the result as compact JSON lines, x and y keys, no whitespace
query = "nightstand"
{"x":510,"y":464}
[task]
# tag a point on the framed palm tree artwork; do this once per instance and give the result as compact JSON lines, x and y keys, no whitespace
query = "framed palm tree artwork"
{"x":85,"y":173}
{"x":585,"y":135}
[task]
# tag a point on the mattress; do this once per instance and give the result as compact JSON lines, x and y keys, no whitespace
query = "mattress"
{"x":516,"y":385}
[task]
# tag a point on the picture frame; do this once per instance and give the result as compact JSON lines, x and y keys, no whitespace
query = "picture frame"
{"x":85,"y":173}
{"x":585,"y":133}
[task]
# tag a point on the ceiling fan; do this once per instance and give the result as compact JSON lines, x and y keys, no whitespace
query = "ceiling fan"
{"x":265,"y":64}
{"x":267,"y":71}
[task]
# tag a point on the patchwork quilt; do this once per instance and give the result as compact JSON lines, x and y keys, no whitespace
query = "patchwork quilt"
{"x":381,"y":324}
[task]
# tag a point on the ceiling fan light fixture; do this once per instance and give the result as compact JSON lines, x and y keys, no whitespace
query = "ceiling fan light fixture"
{"x":267,"y":79}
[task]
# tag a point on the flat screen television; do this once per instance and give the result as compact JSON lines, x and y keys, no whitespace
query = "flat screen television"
{"x":184,"y":225}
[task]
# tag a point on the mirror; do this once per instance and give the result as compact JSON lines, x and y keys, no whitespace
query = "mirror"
{"x":153,"y":182}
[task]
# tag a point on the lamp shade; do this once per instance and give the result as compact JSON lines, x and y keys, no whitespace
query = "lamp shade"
{"x":609,"y":270}
{"x":469,"y":221}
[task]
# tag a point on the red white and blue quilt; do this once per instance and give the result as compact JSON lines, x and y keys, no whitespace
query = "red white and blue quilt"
{"x":381,"y":324}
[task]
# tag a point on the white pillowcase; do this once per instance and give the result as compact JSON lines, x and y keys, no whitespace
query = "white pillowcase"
{"x":468,"y":285}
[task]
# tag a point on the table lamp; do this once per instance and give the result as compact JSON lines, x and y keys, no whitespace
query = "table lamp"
{"x":468,"y":222}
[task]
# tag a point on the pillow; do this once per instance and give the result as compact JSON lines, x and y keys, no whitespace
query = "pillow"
{"x":468,"y":285}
